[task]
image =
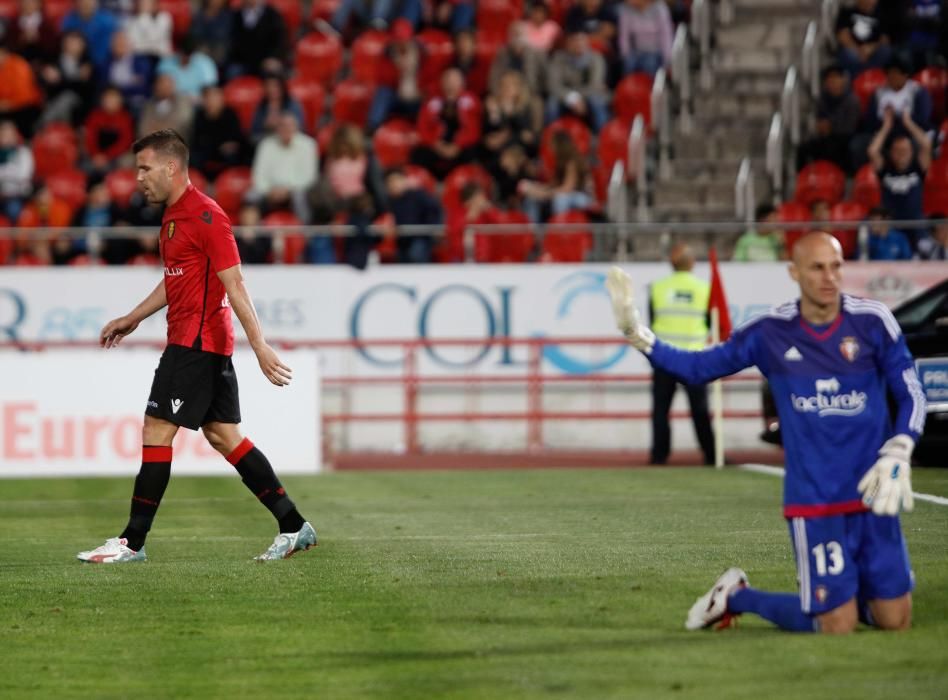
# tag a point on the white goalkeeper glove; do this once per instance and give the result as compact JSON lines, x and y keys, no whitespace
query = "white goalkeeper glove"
{"x":887,"y":486}
{"x":637,"y":333}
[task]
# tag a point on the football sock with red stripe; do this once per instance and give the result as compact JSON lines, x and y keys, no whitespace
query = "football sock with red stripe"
{"x":150,"y":486}
{"x":258,"y":476}
{"x":783,"y":609}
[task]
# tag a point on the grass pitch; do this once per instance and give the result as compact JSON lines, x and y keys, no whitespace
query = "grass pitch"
{"x":529,"y":584}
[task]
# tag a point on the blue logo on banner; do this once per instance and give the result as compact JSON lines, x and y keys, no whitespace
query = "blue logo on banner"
{"x":933,"y":373}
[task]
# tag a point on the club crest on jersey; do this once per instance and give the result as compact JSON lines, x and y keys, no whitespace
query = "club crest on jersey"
{"x":849,"y":348}
{"x":171,"y":230}
{"x":821,"y":594}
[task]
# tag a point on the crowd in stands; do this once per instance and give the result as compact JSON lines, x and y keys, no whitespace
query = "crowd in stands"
{"x":355,"y":112}
{"x":879,"y":135}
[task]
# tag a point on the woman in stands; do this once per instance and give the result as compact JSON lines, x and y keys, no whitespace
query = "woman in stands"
{"x":568,"y":187}
{"x":512,"y":116}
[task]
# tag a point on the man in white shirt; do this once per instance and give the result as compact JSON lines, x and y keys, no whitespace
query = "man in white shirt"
{"x":285,"y":166}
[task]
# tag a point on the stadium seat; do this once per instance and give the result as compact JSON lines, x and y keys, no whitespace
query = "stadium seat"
{"x":848,"y":237}
{"x":85,"y":260}
{"x":291,"y":12}
{"x":197,"y":179}
{"x":55,"y":148}
{"x":478,"y":76}
{"x":69,"y":186}
{"x":494,"y":18}
{"x":293,"y":243}
{"x":351,"y":102}
{"x":180,"y":11}
{"x":437,"y":53}
{"x":613,"y":143}
{"x":422,"y":177}
{"x":243,"y":94}
{"x":791,"y":213}
{"x":121,"y":184}
{"x":56,"y":10}
{"x":323,"y":9}
{"x":318,"y":57}
{"x":567,"y":245}
{"x":820,"y":179}
{"x":866,"y":188}
{"x":311,"y":97}
{"x":577,"y":130}
{"x":866,"y":84}
{"x":513,"y":247}
{"x":392,"y":143}
{"x":935,"y":80}
{"x":6,"y":243}
{"x":230,"y":187}
{"x":9,"y":9}
{"x":460,"y":176}
{"x":935,"y":192}
{"x":368,"y":53}
{"x":633,"y":96}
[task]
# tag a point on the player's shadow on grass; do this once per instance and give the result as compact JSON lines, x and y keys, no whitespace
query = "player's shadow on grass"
{"x":590,"y":623}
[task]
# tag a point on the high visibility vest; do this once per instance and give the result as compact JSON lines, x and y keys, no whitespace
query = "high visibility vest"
{"x":680,"y":310}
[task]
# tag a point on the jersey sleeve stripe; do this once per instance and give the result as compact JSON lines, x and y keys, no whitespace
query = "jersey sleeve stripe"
{"x":917,"y":419}
{"x":876,"y":308}
{"x":803,"y":562}
{"x":784,"y":312}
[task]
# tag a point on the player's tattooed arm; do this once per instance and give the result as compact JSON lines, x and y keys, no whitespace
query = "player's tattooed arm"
{"x":118,"y":328}
{"x":270,"y":364}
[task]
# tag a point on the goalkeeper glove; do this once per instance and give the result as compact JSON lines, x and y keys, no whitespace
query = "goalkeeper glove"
{"x":887,"y":486}
{"x":637,"y":333}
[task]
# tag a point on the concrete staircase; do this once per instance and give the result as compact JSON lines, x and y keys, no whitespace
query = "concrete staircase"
{"x":750,"y":57}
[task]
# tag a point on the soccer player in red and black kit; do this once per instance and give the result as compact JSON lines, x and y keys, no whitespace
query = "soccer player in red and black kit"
{"x":195,"y":385}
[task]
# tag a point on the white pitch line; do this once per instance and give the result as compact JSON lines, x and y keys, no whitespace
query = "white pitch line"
{"x":777,"y":471}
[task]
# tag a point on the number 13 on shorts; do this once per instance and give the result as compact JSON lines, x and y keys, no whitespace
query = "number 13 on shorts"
{"x":825,"y":572}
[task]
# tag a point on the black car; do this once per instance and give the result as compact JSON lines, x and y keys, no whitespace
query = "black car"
{"x":924,"y":321}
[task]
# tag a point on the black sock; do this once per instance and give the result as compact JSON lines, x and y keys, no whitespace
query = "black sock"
{"x":150,"y":486}
{"x":258,"y":476}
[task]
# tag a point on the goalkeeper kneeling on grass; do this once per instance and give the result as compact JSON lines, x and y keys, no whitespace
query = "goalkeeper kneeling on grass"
{"x":830,"y":359}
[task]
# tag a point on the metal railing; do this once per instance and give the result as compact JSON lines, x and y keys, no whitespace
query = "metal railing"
{"x":701,"y":32}
{"x":790,"y":105}
{"x":810,"y":60}
{"x":681,"y":77}
{"x":745,"y":200}
{"x":638,"y":139}
{"x":661,"y":120}
{"x":773,"y":163}
{"x":828,"y":12}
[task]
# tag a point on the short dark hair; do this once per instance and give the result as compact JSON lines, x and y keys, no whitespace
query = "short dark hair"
{"x":469,"y":190}
{"x":763,"y":211}
{"x":165,"y":141}
{"x":879,"y":212}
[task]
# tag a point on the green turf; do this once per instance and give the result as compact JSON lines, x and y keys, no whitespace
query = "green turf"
{"x":501,"y":585}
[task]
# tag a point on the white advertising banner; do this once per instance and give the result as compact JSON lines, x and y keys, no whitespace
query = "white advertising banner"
{"x":72,"y":412}
{"x":484,"y":303}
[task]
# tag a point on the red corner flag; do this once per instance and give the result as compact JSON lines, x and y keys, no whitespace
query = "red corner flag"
{"x":717,"y":299}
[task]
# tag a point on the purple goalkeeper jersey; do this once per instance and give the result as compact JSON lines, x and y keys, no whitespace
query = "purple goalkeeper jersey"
{"x":830,"y":385}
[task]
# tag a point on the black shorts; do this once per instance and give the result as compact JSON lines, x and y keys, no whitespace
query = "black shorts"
{"x":193,"y":387}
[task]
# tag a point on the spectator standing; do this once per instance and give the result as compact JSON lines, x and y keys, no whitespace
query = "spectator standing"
{"x":192,"y":70}
{"x":837,"y":118}
{"x":885,"y":242}
{"x":569,"y":187}
{"x":97,"y":26}
{"x":276,"y":100}
{"x":218,"y":141}
{"x":109,"y":132}
{"x":167,"y":110}
{"x":518,"y":55}
{"x":20,"y":98}
{"x":449,"y":127}
{"x":211,"y":29}
{"x":540,"y":31}
{"x":577,"y":82}
{"x":16,"y":170}
{"x":512,"y":115}
{"x":258,"y":39}
{"x":934,"y":246}
{"x":645,"y":36}
{"x":411,"y":205}
{"x":902,"y":173}
{"x":149,"y":30}
{"x":285,"y":166}
{"x":863,"y":40}
{"x":763,"y":242}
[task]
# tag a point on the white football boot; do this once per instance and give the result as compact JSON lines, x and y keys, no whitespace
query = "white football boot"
{"x":114,"y":551}
{"x":711,"y":608}
{"x":286,"y":544}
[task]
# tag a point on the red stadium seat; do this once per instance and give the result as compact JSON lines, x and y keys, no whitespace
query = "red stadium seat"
{"x":613,"y":143}
{"x":633,"y":96}
{"x":437,"y":53}
{"x":69,"y":186}
{"x":294,"y":243}
{"x":579,"y":132}
{"x":935,"y":192}
{"x":392,"y":143}
{"x":121,"y":184}
{"x":460,"y":176}
{"x":323,"y":9}
{"x":56,"y":10}
{"x":311,"y":97}
{"x":866,"y":84}
{"x":180,"y":11}
{"x":367,"y":55}
{"x":243,"y":94}
{"x":291,"y":12}
{"x":494,"y":18}
{"x":421,"y":177}
{"x":791,"y":213}
{"x":84,"y":260}
{"x":351,"y":102}
{"x":6,"y":243}
{"x":55,"y":148}
{"x":821,"y":179}
{"x":503,"y":247}
{"x":479,"y":75}
{"x":197,"y":179}
{"x":229,"y":189}
{"x":935,"y":80}
{"x":848,"y":237}
{"x":9,"y":9}
{"x":319,"y":57}
{"x":866,"y":188}
{"x":567,"y":245}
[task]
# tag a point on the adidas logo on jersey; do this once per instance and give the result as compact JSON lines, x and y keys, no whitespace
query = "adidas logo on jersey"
{"x":793,"y":355}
